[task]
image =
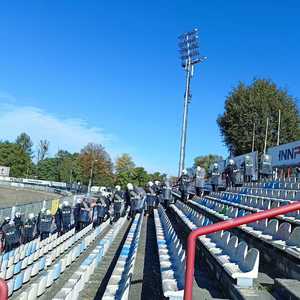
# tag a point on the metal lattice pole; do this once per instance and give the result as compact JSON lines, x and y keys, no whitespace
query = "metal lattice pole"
{"x":189,"y":54}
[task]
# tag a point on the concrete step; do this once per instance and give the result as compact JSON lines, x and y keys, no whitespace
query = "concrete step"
{"x":151,"y":287}
{"x":57,"y":285}
{"x":288,"y":289}
{"x":97,"y":283}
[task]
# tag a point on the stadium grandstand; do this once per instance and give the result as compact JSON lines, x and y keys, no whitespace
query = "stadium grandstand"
{"x":135,"y":243}
{"x":93,"y":204}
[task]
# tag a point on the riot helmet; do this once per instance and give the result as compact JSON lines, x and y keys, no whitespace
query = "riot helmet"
{"x":130,"y":186}
{"x":31,"y":216}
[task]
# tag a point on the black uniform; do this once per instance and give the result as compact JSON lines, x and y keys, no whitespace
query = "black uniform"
{"x":151,"y":197}
{"x":44,"y":225}
{"x":101,"y":208}
{"x":157,"y":189}
{"x":10,"y":236}
{"x":183,"y":182}
{"x":19,"y":225}
{"x":76,"y":213}
{"x":167,"y":195}
{"x":84,"y":215}
{"x":117,"y":200}
{"x":215,"y":178}
{"x":58,"y":220}
{"x":29,"y":230}
{"x":231,"y":172}
{"x":135,"y":203}
{"x":66,"y":214}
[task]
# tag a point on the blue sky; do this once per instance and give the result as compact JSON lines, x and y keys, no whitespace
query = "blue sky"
{"x":108,"y":71}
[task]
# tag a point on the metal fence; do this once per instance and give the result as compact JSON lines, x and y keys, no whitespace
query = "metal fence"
{"x":32,"y":207}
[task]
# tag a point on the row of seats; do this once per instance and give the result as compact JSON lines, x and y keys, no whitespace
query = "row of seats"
{"x":288,"y":184}
{"x":239,"y":263}
{"x":120,"y":280}
{"x":18,"y":259}
{"x":290,"y":195}
{"x":270,"y":231}
{"x":46,"y":267}
{"x":249,"y":203}
{"x":14,"y":256}
{"x":75,"y":284}
{"x":171,"y":256}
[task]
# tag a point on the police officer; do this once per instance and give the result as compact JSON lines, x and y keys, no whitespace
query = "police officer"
{"x":66,"y":215}
{"x":44,"y":223}
{"x":199,"y":180}
{"x":29,"y":228}
{"x":117,"y":200}
{"x":10,"y":235}
{"x":18,"y":220}
{"x":215,"y":177}
{"x":84,"y":214}
{"x":135,"y":201}
{"x":151,"y":195}
{"x":183,"y":183}
{"x":167,"y":194}
{"x":158,"y":189}
{"x":101,"y":208}
{"x":248,"y":168}
{"x":58,"y":219}
{"x":76,"y":213}
{"x":231,"y":173}
{"x":266,"y":170}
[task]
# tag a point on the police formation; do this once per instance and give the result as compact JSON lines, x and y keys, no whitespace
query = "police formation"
{"x":233,"y":175}
{"x":94,"y":209}
{"x":17,"y":230}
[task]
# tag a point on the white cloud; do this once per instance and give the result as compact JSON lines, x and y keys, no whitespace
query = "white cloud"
{"x":63,"y":133}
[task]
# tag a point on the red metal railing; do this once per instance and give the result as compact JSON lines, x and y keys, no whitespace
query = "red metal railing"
{"x":191,"y":242}
{"x":3,"y":290}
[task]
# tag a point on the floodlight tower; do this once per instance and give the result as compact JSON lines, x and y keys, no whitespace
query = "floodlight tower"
{"x":190,"y":56}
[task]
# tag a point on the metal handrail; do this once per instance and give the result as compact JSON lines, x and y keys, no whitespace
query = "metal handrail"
{"x":3,"y":290}
{"x":191,"y":242}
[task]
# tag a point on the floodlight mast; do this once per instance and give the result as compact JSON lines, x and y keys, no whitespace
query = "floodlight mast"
{"x":190,"y":56}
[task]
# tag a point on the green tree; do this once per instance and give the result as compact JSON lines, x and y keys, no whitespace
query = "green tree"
{"x":94,"y":155}
{"x":124,"y":163}
{"x":248,"y":105}
{"x":13,"y":155}
{"x":48,"y":169}
{"x":206,"y":161}
{"x":43,"y":148}
{"x":25,"y":142}
{"x":139,"y":176}
{"x":157,"y":176}
{"x":69,"y":168}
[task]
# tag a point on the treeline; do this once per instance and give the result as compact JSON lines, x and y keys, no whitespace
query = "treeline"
{"x":71,"y":167}
{"x":246,"y":110}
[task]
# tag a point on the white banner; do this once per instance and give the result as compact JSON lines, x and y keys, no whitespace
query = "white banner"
{"x":4,"y":171}
{"x":285,"y":155}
